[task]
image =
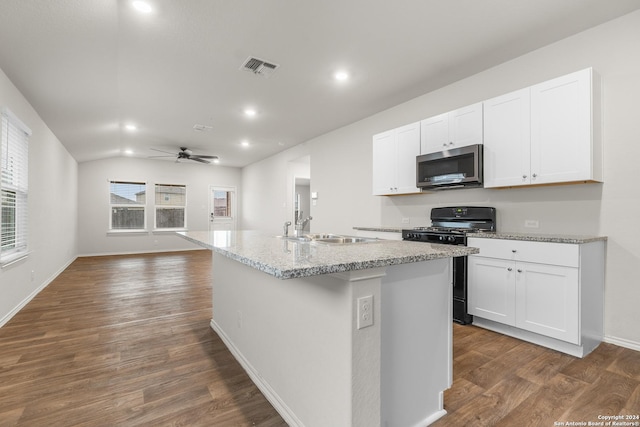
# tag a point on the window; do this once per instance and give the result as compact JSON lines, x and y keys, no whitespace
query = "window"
{"x":222,"y":203}
{"x":14,"y":187}
{"x":171,"y":201}
{"x":127,"y":207}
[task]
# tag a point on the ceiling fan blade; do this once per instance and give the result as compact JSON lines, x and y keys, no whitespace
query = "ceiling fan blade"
{"x":202,"y":156}
{"x":156,"y":157}
{"x":162,"y":151}
{"x":197,"y":159}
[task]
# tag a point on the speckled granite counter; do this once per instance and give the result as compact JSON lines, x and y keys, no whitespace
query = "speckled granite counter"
{"x":286,"y":259}
{"x":551,"y":238}
{"x":380,"y":229}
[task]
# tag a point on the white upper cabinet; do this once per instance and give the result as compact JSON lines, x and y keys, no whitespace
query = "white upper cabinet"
{"x":394,"y":160}
{"x":507,"y":140}
{"x":561,"y":130}
{"x":544,"y":134}
{"x":454,"y":129}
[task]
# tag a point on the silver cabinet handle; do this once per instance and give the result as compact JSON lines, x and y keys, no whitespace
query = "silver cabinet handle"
{"x":444,"y":144}
{"x":535,"y":175}
{"x":519,"y":271}
{"x":509,"y":269}
{"x":524,"y":176}
{"x":514,"y":251}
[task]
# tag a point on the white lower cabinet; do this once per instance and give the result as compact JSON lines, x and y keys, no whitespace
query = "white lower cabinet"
{"x":547,"y":293}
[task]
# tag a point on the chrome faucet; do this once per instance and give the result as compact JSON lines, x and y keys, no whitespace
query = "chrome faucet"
{"x":300,"y":224}
{"x":286,"y":228}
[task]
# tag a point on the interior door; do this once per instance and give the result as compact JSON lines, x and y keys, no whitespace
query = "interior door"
{"x":222,"y":208}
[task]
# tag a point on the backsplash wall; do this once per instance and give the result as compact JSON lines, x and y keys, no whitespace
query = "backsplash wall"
{"x":570,"y":209}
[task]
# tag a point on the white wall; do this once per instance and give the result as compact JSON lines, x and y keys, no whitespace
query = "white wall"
{"x":53,"y":177}
{"x":341,"y":165}
{"x":93,"y":197}
{"x":268,"y":198}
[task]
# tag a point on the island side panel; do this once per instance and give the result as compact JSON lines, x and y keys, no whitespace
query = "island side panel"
{"x":416,"y":342}
{"x":292,"y":336}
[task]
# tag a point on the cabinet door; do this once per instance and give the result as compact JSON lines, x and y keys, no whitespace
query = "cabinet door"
{"x":547,"y":300}
{"x":561,"y":145}
{"x":384,"y":163}
{"x":507,"y":140}
{"x":408,"y":147}
{"x":465,"y":126}
{"x":434,"y":134}
{"x":491,"y":289}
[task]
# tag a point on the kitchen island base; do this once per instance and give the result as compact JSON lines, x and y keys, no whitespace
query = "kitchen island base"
{"x":298,"y":339}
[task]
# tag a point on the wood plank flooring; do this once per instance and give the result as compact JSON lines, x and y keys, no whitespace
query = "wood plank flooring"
{"x":125,"y":341}
{"x":502,"y":381}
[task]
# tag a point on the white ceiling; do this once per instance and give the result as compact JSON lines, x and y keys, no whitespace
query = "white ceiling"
{"x":91,"y":66}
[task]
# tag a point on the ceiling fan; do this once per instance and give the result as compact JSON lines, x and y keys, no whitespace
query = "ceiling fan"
{"x":186,"y":154}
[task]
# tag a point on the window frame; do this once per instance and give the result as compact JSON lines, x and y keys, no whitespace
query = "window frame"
{"x":112,"y":205}
{"x":157,"y":206}
{"x":14,"y":179}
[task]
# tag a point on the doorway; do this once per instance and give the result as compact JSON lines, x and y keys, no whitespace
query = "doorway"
{"x":222,"y":208}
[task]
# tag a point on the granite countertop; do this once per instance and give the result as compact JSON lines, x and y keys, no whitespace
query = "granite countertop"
{"x":286,"y":259}
{"x":381,"y":229}
{"x":551,"y":238}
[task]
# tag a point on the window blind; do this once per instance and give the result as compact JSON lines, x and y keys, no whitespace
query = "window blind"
{"x":170,"y":201}
{"x":127,"y":205}
{"x":14,"y":187}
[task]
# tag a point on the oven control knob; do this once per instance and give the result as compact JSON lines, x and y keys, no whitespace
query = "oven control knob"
{"x":451,"y":239}
{"x":441,"y":238}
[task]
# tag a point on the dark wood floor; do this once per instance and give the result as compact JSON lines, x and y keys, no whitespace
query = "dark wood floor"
{"x":125,"y":341}
{"x":502,"y":381}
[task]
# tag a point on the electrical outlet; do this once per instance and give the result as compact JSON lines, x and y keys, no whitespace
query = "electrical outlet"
{"x":531,"y":223}
{"x":365,"y":311}
{"x":406,"y":220}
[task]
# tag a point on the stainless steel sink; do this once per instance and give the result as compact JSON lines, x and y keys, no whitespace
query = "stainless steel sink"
{"x":328,"y":238}
{"x":322,"y":236}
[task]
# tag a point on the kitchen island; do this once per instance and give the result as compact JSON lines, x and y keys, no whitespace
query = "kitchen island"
{"x":355,"y":334}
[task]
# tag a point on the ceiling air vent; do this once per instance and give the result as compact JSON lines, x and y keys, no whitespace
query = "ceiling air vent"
{"x":202,"y":128}
{"x":259,"y":67}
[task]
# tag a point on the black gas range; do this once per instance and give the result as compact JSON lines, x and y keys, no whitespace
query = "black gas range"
{"x":450,"y":226}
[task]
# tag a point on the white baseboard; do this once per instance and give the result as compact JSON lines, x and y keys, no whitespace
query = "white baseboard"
{"x":33,"y":294}
{"x":432,"y":418}
{"x":285,"y":412}
{"x":157,"y":251}
{"x":622,"y":342}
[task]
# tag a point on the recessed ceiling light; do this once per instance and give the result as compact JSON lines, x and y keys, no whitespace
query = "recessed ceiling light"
{"x":130,"y":127}
{"x":250,"y":112}
{"x":142,"y":6}
{"x":128,"y":151}
{"x":245,"y":144}
{"x":341,"y":76}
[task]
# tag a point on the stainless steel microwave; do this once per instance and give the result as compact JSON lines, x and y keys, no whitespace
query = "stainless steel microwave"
{"x":449,"y":169}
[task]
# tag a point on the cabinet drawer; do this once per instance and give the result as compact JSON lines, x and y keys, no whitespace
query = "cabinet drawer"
{"x":563,"y":254}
